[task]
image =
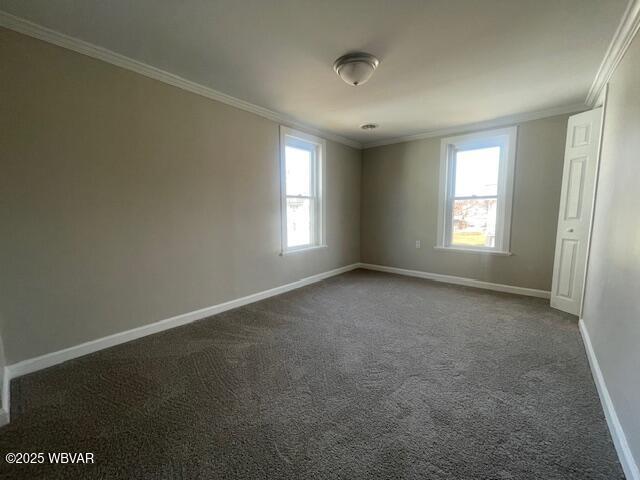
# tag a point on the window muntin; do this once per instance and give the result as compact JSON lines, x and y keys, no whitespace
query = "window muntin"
{"x":476,"y":191}
{"x":302,"y":201}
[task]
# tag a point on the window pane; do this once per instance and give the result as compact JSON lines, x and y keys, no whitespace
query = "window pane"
{"x":298,"y":174}
{"x":474,"y":222}
{"x":477,"y":172}
{"x":298,"y":222}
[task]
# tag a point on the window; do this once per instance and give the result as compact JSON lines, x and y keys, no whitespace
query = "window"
{"x":302,"y":177}
{"x":476,"y":188}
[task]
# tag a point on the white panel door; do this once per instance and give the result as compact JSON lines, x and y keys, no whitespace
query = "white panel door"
{"x":576,"y":204}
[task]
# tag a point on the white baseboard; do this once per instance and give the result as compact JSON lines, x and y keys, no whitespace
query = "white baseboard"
{"x":469,"y":282}
{"x":629,"y":465}
{"x":48,"y":360}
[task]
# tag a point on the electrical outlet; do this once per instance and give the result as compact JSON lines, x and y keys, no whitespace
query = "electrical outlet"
{"x":417,"y":243}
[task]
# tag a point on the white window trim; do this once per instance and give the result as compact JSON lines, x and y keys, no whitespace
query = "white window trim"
{"x":506,"y":138}
{"x":319,"y":237}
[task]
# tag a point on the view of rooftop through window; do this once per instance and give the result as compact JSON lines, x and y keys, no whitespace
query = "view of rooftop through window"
{"x":476,"y":197}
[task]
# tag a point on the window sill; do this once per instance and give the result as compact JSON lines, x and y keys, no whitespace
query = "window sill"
{"x":301,"y":250}
{"x":474,"y":250}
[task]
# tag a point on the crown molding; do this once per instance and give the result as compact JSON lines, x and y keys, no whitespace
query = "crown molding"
{"x":40,"y":32}
{"x":472,"y":127}
{"x":622,"y":38}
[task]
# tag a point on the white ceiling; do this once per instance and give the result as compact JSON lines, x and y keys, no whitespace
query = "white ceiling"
{"x":444,"y":63}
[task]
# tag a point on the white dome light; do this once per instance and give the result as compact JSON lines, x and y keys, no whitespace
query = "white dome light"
{"x":356,"y":68}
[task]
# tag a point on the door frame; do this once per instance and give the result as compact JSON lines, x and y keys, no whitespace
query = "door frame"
{"x":596,"y":180}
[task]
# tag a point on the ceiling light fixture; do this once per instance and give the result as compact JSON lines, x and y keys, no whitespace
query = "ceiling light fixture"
{"x":368,"y":126}
{"x":356,"y":68}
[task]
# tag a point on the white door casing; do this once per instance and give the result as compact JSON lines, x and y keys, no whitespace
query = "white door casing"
{"x":576,"y":205}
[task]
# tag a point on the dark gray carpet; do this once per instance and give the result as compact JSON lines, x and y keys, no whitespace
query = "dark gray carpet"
{"x":365,"y":375}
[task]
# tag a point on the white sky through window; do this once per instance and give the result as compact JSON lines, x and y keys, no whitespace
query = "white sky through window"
{"x":477,"y":172}
{"x":298,"y":165}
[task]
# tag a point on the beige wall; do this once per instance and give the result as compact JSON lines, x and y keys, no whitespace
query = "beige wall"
{"x":612,"y":306}
{"x":124,"y":201}
{"x":400,"y":205}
